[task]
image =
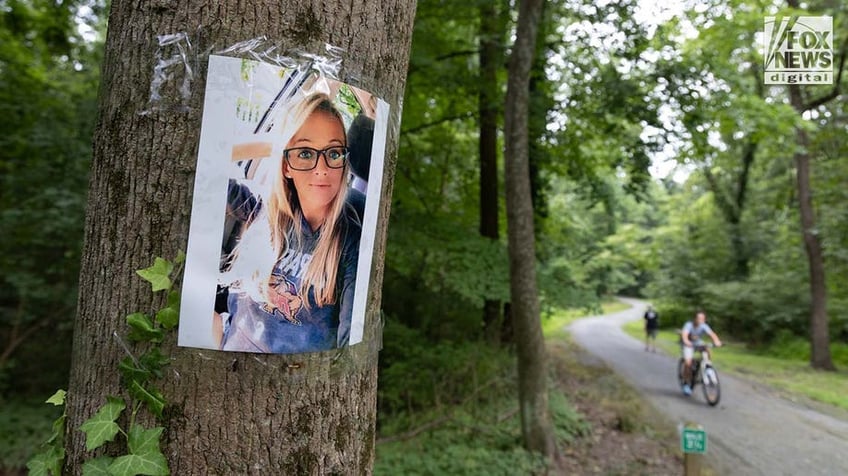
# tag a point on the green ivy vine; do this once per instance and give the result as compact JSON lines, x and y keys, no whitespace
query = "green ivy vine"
{"x":138,"y":375}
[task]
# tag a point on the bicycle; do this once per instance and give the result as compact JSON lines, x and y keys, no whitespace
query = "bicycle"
{"x":702,"y":372}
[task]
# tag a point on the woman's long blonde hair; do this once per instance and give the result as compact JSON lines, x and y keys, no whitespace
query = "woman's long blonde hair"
{"x":278,"y":227}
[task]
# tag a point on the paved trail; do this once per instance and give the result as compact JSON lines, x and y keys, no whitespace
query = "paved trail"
{"x":753,"y":431}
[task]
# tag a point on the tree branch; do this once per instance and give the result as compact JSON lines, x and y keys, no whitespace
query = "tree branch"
{"x":416,"y":431}
{"x":413,"y":68}
{"x":457,"y":53}
{"x":17,"y":340}
{"x":426,"y":125}
{"x":836,"y":82}
{"x":725,"y":205}
{"x":742,"y":184}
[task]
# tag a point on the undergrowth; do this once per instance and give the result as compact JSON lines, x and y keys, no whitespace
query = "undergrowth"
{"x":475,"y":440}
{"x":452,"y":408}
{"x":22,"y":428}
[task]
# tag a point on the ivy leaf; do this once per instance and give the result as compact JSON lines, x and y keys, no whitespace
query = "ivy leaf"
{"x":98,"y":466}
{"x":58,"y":398}
{"x":158,"y":275}
{"x":132,"y":372}
{"x":168,"y":317}
{"x":38,"y":465}
{"x":141,"y":441}
{"x":174,"y":299}
{"x":181,"y":256}
{"x":58,"y":429}
{"x":141,"y":328}
{"x":151,"y":464}
{"x":153,"y":361}
{"x":153,"y":398}
{"x":101,"y":427}
{"x":47,"y":462}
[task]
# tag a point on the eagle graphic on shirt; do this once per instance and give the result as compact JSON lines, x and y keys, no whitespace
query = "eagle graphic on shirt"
{"x":283,"y":299}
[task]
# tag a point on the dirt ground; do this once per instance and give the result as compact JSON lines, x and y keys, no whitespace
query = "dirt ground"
{"x":628,"y":437}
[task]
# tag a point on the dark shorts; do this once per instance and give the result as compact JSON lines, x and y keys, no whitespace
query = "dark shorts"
{"x":651,"y":332}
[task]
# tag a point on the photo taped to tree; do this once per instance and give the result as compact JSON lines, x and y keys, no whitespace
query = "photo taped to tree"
{"x":284,"y":213}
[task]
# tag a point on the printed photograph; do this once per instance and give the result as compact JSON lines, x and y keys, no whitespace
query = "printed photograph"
{"x":284,"y":214}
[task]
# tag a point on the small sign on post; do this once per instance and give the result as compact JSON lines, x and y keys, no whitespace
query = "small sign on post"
{"x":693,"y":442}
{"x":693,"y":439}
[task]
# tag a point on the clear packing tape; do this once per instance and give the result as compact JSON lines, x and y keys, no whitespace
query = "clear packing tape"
{"x":179,"y":57}
{"x":181,"y":60}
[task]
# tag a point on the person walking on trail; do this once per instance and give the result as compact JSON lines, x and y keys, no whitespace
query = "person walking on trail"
{"x":652,"y":325}
{"x":691,"y":336}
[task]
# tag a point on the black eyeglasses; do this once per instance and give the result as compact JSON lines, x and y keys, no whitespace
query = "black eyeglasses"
{"x":306,"y":158}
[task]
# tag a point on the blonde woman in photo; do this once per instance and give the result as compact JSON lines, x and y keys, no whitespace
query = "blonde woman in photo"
{"x":291,"y":275}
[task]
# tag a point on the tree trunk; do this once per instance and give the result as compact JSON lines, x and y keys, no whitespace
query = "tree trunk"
{"x":541,"y":103}
{"x":732,"y":206}
{"x":228,"y":413}
{"x":532,"y":373}
{"x":819,"y":333}
{"x":490,"y":59}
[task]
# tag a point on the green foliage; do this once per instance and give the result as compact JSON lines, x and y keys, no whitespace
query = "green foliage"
{"x":57,"y":399}
{"x":467,"y":388}
{"x":97,"y":466}
{"x":169,"y":315}
{"x":142,"y":328}
{"x":47,"y":463}
{"x":479,"y":438}
{"x":48,"y":89}
{"x":449,"y":454}
{"x":52,"y":457}
{"x":416,"y":374}
{"x":465,"y":393}
{"x":732,"y":244}
{"x":158,"y":274}
{"x":148,"y":395}
{"x":673,"y":314}
{"x":102,"y":426}
{"x":474,"y":430}
{"x":143,"y":457}
{"x":568,"y":422}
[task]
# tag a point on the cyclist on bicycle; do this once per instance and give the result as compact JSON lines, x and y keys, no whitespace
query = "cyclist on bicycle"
{"x":690,"y":337}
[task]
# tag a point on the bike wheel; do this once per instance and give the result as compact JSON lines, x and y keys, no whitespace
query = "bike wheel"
{"x":681,"y":366}
{"x":712,"y":389}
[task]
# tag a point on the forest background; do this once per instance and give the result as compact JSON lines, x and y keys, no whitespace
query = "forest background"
{"x":661,"y":166}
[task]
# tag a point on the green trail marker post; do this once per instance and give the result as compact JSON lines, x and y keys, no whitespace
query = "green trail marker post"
{"x":693,"y":443}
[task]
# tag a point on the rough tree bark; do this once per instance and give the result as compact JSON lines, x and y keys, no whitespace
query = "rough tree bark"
{"x":490,"y":61}
{"x":536,"y":426}
{"x":819,"y":332}
{"x":228,"y":413}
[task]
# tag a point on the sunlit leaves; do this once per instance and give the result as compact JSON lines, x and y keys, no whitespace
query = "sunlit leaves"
{"x":158,"y":275}
{"x":58,"y":398}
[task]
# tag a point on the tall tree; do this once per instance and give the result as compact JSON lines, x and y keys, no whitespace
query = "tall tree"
{"x":229,"y":413}
{"x":491,"y":35}
{"x":48,"y":82}
{"x":536,"y":426}
{"x":819,"y":333}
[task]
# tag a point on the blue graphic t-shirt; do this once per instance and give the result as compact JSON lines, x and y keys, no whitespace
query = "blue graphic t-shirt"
{"x":292,"y":322}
